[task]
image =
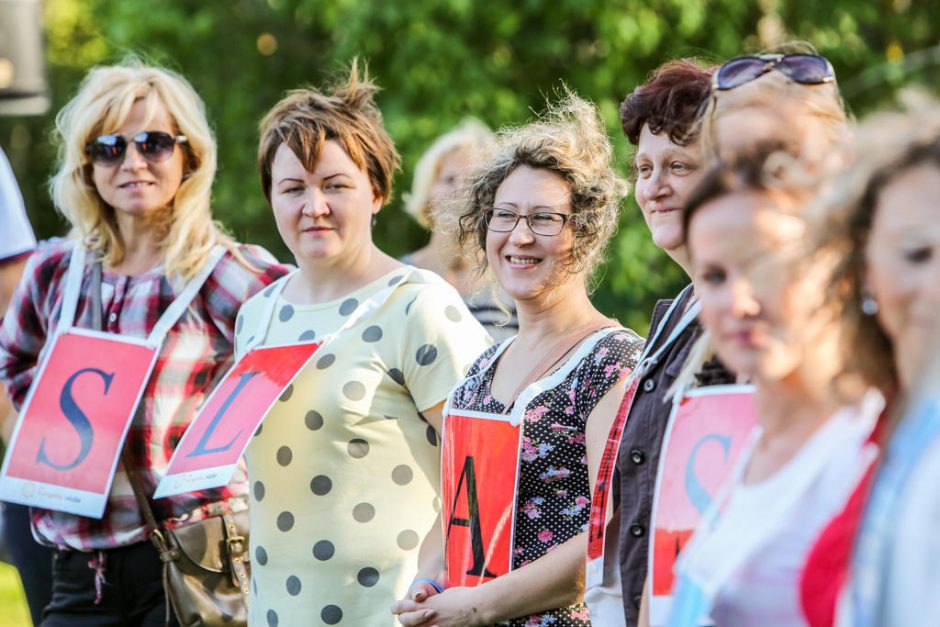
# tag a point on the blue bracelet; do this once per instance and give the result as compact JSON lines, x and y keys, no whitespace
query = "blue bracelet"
{"x":433,"y":583}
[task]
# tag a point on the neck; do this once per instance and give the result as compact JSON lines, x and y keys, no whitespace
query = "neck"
{"x":681,"y":256}
{"x":142,"y":250}
{"x":323,"y":280}
{"x":560,"y":312}
{"x":788,"y":408}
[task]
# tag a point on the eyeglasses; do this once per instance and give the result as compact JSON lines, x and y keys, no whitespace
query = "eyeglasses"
{"x":154,"y":146}
{"x":545,"y":223}
{"x":805,"y":69}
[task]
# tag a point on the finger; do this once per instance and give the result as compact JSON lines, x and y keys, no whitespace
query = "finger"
{"x":414,"y":619}
{"x":403,"y":605}
{"x":420,"y":595}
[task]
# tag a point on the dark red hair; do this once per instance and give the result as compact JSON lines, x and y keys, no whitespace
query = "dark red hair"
{"x":669,"y":102}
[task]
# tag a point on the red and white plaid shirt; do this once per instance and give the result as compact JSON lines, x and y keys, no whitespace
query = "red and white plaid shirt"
{"x":196,"y":353}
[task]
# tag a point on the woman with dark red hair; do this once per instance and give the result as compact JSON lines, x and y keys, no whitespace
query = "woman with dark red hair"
{"x":660,"y":120}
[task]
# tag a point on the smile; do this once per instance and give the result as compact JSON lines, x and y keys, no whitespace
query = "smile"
{"x":135,"y":184}
{"x":523,"y":261}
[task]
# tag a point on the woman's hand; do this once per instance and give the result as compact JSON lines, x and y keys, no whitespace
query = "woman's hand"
{"x":455,"y":607}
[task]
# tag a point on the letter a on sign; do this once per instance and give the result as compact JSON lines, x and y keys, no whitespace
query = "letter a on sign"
{"x":66,"y":443}
{"x":479,"y":474}
{"x":208,"y":454}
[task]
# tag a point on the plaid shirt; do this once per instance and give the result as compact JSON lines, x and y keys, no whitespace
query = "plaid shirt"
{"x":197,"y":351}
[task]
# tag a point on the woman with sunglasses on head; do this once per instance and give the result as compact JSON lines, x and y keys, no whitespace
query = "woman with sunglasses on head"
{"x":660,"y":120}
{"x":136,"y":164}
{"x":539,"y":214}
{"x":765,"y":310}
{"x":752,"y":94}
{"x":345,"y":469}
{"x":438,"y":175}
{"x":880,"y":219}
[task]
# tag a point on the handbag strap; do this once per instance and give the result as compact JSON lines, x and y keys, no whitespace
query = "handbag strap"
{"x":237,"y":549}
{"x":149,"y":519}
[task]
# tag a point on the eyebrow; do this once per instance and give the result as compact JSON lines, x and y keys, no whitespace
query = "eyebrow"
{"x":290,"y":178}
{"x":333,"y":176}
{"x":536,"y":208}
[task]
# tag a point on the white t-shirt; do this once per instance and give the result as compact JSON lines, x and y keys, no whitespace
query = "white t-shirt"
{"x":16,"y":236}
{"x":786,"y":512}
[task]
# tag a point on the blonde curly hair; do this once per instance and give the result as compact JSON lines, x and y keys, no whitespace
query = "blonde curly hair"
{"x":570,"y":140}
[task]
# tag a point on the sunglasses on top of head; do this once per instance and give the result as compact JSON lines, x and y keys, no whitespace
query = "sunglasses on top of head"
{"x":805,"y":69}
{"x":154,"y":146}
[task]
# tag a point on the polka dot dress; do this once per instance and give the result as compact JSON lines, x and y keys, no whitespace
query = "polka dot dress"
{"x":344,"y":472}
{"x":554,"y":499}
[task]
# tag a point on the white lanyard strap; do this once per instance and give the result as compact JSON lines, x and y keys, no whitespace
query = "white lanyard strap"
{"x":371,"y":304}
{"x":75,"y":276}
{"x":73,"y":285}
{"x":647,"y":361}
{"x":182,"y":302}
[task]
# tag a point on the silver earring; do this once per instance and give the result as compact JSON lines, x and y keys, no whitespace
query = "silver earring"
{"x":375,"y":219}
{"x":869,"y":305}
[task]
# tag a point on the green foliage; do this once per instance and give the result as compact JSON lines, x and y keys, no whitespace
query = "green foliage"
{"x":441,"y":60}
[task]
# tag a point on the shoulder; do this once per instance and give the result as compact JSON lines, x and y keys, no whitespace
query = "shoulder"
{"x":620,"y":345}
{"x":242,"y":278}
{"x":427,"y":296}
{"x":49,"y":260}
{"x":483,"y":361}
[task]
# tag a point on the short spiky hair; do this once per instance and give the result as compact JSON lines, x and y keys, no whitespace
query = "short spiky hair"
{"x":669,"y":102}
{"x":305,"y":118}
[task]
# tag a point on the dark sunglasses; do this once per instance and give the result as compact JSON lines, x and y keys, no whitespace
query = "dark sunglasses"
{"x":806,"y":69}
{"x":152,"y":145}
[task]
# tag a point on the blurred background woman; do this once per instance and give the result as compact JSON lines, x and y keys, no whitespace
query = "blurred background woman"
{"x":136,"y":164}
{"x":540,"y":212}
{"x":764,"y":308}
{"x":345,"y":470}
{"x":439,"y":174}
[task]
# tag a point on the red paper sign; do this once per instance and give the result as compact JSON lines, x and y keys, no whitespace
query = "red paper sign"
{"x":209,"y":452}
{"x":705,"y":437}
{"x":597,"y":526}
{"x":70,"y":432}
{"x":479,"y":473}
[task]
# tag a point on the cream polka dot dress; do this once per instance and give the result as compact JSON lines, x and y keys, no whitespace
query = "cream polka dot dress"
{"x":344,"y":472}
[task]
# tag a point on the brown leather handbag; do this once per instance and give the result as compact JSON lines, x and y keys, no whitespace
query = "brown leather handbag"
{"x":205,"y":566}
{"x":205,"y":563}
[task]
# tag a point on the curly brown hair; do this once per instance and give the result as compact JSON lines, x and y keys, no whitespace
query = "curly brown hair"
{"x":669,"y":102}
{"x":570,"y":140}
{"x":305,"y":118}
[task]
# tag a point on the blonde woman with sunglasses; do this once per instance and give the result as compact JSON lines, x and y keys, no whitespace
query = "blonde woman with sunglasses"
{"x":136,"y":164}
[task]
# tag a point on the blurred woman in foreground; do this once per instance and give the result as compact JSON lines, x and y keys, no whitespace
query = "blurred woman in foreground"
{"x":764,"y":308}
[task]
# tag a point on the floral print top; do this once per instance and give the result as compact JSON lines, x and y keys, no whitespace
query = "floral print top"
{"x":554,"y":498}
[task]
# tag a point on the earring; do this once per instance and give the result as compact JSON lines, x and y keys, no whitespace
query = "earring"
{"x":869,"y":304}
{"x":375,"y":219}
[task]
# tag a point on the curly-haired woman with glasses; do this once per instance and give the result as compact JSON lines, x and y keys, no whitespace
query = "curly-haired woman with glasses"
{"x":539,"y":213}
{"x":136,"y":164}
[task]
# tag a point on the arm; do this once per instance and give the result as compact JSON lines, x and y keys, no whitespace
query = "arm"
{"x":431,"y":553}
{"x":10,"y":273}
{"x":554,"y":580}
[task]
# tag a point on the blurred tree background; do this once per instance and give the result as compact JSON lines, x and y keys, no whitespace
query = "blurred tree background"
{"x":441,"y":60}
